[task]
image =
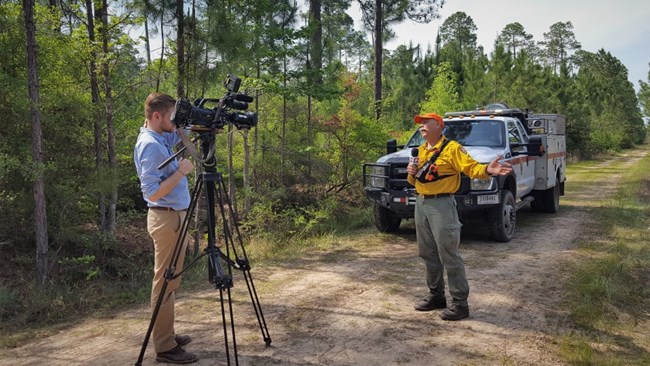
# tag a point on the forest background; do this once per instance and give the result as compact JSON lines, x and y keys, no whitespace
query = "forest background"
{"x":73,"y":83}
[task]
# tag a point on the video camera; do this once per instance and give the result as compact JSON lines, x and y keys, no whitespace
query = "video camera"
{"x":198,"y":117}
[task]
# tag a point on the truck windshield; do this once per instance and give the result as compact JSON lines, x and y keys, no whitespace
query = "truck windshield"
{"x":487,"y":133}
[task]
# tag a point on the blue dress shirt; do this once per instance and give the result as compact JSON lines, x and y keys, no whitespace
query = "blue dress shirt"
{"x":151,"y":150}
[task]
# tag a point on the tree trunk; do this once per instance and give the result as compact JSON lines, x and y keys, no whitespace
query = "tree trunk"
{"x":198,"y":223}
{"x":231,"y":170}
{"x":308,"y":136}
{"x":316,"y":49}
{"x":109,"y":226}
{"x":256,"y":134}
{"x":204,"y":80}
{"x":191,"y":62}
{"x":314,"y":63}
{"x":38,"y":185}
{"x":162,"y":52}
{"x":378,"y":56}
{"x":284,"y":122}
{"x":247,"y":180}
{"x":147,"y":44}
{"x":180,"y":51}
{"x":94,"y":92}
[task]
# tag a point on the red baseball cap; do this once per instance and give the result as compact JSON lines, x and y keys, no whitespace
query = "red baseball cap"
{"x":421,"y":117}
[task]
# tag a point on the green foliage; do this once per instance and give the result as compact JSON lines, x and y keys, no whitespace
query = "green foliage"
{"x":395,"y":11}
{"x":515,"y":40}
{"x":475,"y":89}
{"x":9,"y":303}
{"x":606,"y":133}
{"x":644,"y":96}
{"x":272,"y":220}
{"x":559,"y":46}
{"x":612,"y":104}
{"x":442,"y":96}
{"x":408,"y":75}
{"x":458,"y":32}
{"x":499,"y":76}
{"x":91,"y":271}
{"x":88,"y":271}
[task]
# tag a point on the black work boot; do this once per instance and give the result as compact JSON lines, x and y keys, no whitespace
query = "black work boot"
{"x":431,"y":302}
{"x":455,"y":312}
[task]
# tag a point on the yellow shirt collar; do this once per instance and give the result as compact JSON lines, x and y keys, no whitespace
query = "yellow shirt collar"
{"x":442,"y":139}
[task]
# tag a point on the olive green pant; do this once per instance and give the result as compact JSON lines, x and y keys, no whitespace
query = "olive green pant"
{"x":164,"y":228}
{"x":438,"y":236}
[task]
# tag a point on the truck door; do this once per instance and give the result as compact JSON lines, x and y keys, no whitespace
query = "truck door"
{"x":522,"y":165}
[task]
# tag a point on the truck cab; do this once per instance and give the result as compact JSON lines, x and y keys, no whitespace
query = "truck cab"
{"x":485,"y":134}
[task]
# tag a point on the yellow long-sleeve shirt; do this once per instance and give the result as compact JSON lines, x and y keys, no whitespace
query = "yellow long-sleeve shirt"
{"x":454,"y":159}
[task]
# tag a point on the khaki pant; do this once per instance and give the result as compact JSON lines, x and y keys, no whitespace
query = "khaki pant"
{"x":164,"y":228}
{"x":438,"y":235}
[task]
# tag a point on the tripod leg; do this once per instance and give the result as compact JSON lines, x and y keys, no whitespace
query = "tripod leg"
{"x":223,"y":281}
{"x":227,"y":315}
{"x":242,"y":262}
{"x":257,"y":307}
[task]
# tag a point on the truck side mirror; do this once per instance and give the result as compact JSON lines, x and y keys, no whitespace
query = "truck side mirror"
{"x":535,"y":148}
{"x":391,"y":146}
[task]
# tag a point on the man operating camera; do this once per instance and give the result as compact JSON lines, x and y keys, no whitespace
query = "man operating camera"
{"x":167,"y":194}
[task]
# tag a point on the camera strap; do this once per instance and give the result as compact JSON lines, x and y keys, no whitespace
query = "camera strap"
{"x":189,"y":146}
{"x":429,"y":172}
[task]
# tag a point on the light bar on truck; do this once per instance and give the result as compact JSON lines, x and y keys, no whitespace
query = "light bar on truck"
{"x":511,"y":112}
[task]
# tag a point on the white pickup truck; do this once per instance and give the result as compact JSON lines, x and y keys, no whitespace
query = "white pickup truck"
{"x":534,"y":144}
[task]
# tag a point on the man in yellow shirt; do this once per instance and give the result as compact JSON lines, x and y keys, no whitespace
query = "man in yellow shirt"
{"x":436,"y":218}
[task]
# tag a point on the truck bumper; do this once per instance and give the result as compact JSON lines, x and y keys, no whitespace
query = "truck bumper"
{"x":477,"y":201}
{"x":403,"y":203}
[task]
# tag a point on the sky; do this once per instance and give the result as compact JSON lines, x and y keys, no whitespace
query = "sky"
{"x":621,"y":27}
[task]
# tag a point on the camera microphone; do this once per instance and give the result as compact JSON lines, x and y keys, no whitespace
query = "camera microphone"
{"x":414,"y":157}
{"x":244,"y":98}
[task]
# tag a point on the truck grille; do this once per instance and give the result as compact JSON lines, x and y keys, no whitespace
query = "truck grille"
{"x":398,"y":177}
{"x":398,"y":180}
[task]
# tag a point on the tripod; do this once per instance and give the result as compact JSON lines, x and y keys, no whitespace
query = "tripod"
{"x":234,"y":257}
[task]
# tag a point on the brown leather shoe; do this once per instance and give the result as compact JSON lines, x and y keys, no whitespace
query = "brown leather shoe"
{"x":182,"y":340}
{"x":176,"y":355}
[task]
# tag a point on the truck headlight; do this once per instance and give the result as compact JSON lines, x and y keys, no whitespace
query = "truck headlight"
{"x":377,"y":178}
{"x":482,"y":184}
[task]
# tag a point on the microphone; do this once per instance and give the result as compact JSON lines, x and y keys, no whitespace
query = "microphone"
{"x":414,"y":157}
{"x":244,"y":98}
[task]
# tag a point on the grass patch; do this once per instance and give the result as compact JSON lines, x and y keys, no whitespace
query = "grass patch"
{"x":607,"y":290}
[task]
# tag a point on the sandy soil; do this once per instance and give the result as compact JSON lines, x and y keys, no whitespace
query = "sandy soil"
{"x":355,"y":307}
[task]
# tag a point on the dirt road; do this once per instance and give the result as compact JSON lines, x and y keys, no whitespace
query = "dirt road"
{"x":354,"y":306}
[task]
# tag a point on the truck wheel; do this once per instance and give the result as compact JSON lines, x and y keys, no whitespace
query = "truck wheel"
{"x":385,"y":219}
{"x":504,"y":217}
{"x":548,"y":200}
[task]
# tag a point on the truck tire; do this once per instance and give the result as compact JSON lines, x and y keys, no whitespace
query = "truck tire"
{"x":504,"y":217}
{"x":385,"y":219}
{"x":547,"y":200}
